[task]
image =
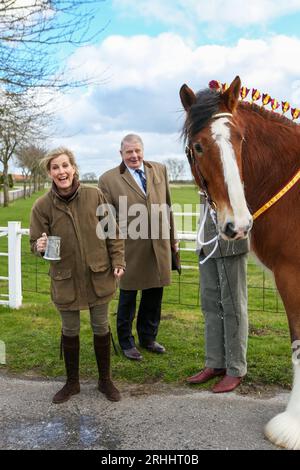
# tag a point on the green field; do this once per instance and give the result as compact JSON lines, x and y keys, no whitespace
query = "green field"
{"x":31,"y":334}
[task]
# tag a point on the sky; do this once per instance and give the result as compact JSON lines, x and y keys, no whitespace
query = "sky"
{"x":148,"y":49}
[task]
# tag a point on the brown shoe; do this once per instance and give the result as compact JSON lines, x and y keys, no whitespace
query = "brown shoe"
{"x":205,"y":375}
{"x":154,"y":347}
{"x":133,"y":354}
{"x":227,"y":384}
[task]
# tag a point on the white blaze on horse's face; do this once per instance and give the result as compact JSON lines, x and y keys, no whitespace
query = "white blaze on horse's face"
{"x":235,"y":221}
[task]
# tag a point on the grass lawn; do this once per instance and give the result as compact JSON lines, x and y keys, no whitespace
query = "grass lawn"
{"x":32,"y":333}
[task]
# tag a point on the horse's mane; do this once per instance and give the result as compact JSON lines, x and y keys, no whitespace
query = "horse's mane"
{"x":207,"y":104}
{"x":271,"y":153}
{"x":267,"y":114}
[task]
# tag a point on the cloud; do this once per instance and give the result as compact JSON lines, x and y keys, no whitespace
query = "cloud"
{"x":140,"y":90}
{"x":223,"y":12}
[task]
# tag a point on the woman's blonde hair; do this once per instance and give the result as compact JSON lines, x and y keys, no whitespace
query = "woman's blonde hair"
{"x":56,"y":153}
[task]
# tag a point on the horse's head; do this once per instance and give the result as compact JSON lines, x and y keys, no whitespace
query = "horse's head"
{"x":214,"y":147}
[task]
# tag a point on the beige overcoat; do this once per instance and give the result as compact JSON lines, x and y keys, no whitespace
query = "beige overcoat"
{"x":84,"y":275}
{"x":148,"y":260}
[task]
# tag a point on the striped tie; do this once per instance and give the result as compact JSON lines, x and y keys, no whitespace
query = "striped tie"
{"x":143,"y":179}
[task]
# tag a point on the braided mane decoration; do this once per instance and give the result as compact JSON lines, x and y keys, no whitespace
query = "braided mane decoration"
{"x":256,"y":96}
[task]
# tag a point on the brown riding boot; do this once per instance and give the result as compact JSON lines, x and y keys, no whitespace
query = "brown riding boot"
{"x":70,"y":346}
{"x":102,"y":352}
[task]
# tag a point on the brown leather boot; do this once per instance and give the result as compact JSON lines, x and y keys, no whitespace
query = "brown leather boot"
{"x":205,"y":375}
{"x":70,"y":346}
{"x":227,"y":384}
{"x":102,"y":352}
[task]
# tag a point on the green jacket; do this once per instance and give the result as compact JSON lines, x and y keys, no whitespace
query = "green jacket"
{"x":84,"y":275}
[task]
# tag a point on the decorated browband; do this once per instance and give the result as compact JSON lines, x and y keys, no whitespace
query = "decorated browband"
{"x":256,"y":96}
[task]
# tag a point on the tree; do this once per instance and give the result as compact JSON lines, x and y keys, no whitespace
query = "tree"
{"x":31,"y":35}
{"x":28,"y":158}
{"x":89,"y":177}
{"x":175,"y":168}
{"x":20,"y":123}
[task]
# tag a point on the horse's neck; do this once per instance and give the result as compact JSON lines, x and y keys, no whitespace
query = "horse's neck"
{"x":270,"y":156}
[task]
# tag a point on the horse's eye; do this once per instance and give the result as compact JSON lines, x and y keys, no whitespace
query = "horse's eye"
{"x":198,"y":148}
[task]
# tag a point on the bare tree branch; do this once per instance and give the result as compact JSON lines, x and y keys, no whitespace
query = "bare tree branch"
{"x":21,"y":123}
{"x":30,"y":33}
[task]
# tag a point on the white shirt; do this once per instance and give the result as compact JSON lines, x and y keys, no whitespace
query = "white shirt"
{"x":136,"y":176}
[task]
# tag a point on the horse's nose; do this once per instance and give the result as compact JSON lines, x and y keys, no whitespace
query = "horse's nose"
{"x":229,"y":230}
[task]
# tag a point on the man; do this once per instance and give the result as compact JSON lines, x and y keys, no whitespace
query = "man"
{"x":224,"y":304}
{"x":147,"y":252}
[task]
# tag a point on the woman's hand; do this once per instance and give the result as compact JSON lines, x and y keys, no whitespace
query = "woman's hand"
{"x":41,"y":243}
{"x":118,"y":273}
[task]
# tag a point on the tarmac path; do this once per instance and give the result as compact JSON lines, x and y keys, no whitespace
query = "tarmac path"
{"x":148,"y":417}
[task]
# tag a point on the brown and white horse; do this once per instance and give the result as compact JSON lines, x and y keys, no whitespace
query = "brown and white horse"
{"x":242,"y":155}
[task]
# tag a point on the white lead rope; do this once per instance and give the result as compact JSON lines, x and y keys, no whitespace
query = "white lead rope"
{"x":201,"y":231}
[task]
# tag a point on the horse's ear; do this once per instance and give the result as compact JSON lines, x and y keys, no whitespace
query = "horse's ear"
{"x":232,"y":94}
{"x":187,"y":96}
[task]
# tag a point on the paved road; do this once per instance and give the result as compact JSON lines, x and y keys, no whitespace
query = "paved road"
{"x":148,"y":417}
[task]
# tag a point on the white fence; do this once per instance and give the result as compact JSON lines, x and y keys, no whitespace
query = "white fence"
{"x":15,"y":194}
{"x":14,"y":233}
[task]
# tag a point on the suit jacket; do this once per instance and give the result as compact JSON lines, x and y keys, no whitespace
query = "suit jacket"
{"x":228,"y":248}
{"x":148,"y":259}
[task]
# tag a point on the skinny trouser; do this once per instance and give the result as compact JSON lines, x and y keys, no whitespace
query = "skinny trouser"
{"x":223,"y":283}
{"x":98,"y":319}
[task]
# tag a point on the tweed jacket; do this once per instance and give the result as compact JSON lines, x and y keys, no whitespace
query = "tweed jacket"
{"x":84,"y":275}
{"x":148,"y":257}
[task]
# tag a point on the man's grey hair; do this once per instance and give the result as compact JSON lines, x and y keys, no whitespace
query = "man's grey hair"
{"x":131,"y":138}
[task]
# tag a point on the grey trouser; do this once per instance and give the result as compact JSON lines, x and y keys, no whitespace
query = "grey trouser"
{"x":98,"y":319}
{"x":223,"y":286}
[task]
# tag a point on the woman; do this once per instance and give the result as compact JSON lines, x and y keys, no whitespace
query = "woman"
{"x":85,"y":276}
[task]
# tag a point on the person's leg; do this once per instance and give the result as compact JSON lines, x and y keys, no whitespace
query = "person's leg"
{"x":234,"y":301}
{"x":149,"y":314}
{"x":213,"y":318}
{"x":70,"y":347}
{"x":125,"y":316}
{"x":213,"y":314}
{"x":100,"y":327}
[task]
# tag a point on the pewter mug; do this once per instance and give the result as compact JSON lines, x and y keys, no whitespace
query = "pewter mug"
{"x":52,"y":252}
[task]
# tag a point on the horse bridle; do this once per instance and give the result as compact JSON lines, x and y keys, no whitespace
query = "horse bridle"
{"x":191,"y":159}
{"x":189,"y":151}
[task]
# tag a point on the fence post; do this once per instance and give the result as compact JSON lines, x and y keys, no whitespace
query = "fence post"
{"x":14,"y":265}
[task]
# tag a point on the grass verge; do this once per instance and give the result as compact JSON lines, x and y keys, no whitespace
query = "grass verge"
{"x":32,"y":334}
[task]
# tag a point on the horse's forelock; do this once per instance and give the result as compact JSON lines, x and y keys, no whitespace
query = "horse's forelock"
{"x":207,"y":104}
